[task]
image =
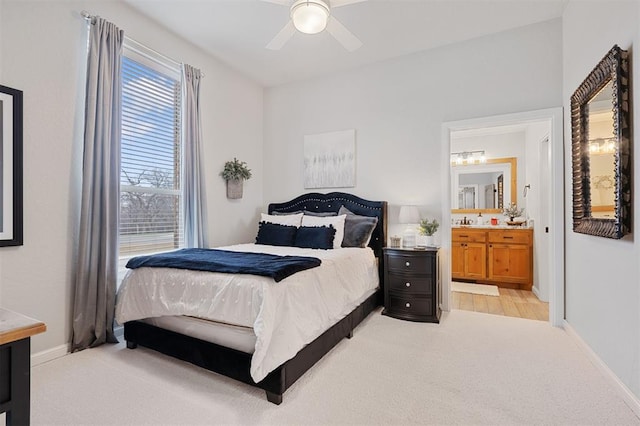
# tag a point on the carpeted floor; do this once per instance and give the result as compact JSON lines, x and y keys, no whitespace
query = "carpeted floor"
{"x":471,"y":369}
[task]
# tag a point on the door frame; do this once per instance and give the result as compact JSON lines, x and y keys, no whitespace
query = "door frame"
{"x":556,"y":256}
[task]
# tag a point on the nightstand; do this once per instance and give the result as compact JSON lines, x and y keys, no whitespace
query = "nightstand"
{"x":412,"y":284}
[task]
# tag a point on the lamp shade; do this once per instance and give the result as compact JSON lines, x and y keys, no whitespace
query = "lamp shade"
{"x":409,"y":214}
{"x":310,"y":16}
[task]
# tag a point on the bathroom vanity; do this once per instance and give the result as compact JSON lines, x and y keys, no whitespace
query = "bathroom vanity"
{"x":497,"y":255}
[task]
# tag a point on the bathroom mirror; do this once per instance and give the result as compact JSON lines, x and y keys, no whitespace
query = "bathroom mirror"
{"x":601,"y":149}
{"x":484,"y":187}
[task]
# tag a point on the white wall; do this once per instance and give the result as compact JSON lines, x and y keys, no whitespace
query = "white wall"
{"x":603,"y":275}
{"x":42,"y":46}
{"x":2,"y":83}
{"x":397,"y":108}
{"x":533,"y":203}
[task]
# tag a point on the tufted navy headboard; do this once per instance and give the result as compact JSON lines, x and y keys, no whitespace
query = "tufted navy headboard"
{"x":332,"y":202}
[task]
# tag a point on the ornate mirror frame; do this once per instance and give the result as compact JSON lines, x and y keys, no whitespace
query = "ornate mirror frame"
{"x":614,"y":68}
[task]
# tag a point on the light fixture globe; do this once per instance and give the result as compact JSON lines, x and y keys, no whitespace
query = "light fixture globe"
{"x":310,"y":16}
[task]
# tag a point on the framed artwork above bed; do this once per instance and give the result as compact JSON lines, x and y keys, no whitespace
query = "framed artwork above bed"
{"x":330,"y":160}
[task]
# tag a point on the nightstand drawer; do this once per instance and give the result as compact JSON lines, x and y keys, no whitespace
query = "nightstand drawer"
{"x":411,"y":264}
{"x":418,"y":306}
{"x":406,"y":284}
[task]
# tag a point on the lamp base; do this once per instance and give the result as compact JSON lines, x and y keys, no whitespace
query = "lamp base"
{"x":409,"y":238}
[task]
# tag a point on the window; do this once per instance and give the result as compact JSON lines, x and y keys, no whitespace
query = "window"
{"x":151,"y":218}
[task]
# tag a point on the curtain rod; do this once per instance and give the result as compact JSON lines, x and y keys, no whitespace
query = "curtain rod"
{"x":91,"y":18}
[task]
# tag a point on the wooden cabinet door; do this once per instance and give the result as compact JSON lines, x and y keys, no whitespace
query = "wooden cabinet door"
{"x":475,"y":260}
{"x":457,"y":260}
{"x":510,"y":262}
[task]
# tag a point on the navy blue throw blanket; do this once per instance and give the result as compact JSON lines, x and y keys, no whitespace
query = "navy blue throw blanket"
{"x":197,"y":259}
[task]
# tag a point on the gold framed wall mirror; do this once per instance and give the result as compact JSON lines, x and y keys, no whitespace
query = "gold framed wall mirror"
{"x":486,"y":187}
{"x":600,"y":132}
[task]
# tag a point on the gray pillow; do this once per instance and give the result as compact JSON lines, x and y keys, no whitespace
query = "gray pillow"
{"x":307,"y":212}
{"x":357,"y":229}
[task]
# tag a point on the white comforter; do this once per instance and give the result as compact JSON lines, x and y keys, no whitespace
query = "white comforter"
{"x":285,"y":316}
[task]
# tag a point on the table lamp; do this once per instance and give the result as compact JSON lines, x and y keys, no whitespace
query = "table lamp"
{"x":410,"y":216}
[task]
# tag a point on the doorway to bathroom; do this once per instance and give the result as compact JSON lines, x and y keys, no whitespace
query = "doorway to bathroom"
{"x":514,"y":161}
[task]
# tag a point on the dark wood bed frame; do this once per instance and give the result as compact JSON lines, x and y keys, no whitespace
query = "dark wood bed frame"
{"x":236,"y":364}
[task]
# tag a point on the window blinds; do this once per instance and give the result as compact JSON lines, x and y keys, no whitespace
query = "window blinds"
{"x":150,"y":202}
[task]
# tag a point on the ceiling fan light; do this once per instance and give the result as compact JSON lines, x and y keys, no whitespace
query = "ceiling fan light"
{"x":310,"y":16}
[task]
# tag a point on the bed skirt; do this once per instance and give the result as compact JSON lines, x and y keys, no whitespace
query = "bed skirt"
{"x":236,"y":364}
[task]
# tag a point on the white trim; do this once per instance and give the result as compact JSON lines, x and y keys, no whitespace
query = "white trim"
{"x":49,"y":354}
{"x":445,"y":234}
{"x":535,"y":291}
{"x":556,"y":255}
{"x":629,"y":397}
{"x":152,"y":59}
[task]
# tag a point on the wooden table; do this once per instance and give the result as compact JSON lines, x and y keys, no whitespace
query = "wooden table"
{"x":15,"y":365}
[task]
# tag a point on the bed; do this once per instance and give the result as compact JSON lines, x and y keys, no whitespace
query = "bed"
{"x":186,"y":338}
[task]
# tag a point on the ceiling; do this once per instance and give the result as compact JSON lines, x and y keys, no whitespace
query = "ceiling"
{"x":237,"y":31}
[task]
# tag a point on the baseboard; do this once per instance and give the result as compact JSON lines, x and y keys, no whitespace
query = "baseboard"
{"x":49,"y":354}
{"x":629,"y":397}
{"x":534,"y":290}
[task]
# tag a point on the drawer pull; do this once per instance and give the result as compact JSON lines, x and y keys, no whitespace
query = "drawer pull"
{"x":408,"y":284}
{"x":408,"y":264}
{"x":507,"y":238}
{"x":408,"y":305}
{"x":463,"y":236}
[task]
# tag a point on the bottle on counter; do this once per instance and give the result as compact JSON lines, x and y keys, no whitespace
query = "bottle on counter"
{"x":480,"y":219}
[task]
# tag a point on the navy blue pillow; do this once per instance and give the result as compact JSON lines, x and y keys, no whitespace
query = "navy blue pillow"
{"x":315,"y":237}
{"x":273,"y":234}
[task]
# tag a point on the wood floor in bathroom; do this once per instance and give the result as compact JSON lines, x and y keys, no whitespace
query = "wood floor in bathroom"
{"x":510,"y":303}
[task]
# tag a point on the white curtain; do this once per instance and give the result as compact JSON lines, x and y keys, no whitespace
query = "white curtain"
{"x":97,"y":257}
{"x":195,"y":206}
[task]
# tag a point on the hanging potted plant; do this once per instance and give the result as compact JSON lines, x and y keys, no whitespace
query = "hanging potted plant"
{"x":235,"y":172}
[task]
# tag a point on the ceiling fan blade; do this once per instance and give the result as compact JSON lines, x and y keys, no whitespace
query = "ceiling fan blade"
{"x":343,"y":35}
{"x":340,"y":3}
{"x":282,"y":2}
{"x":282,"y":37}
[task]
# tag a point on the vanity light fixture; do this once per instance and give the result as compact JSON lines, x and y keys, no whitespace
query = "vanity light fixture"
{"x":310,"y":16}
{"x":468,"y":157}
{"x":602,"y":146}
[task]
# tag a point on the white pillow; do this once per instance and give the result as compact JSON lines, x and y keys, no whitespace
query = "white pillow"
{"x":288,"y":220}
{"x":336,"y":221}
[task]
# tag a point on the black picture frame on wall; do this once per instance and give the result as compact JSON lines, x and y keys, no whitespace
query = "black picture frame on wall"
{"x":10,"y":167}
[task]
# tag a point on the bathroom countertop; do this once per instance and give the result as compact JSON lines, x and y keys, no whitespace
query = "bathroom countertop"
{"x":501,"y":226}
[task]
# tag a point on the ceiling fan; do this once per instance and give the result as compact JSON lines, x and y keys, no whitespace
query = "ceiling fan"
{"x":312,"y":17}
